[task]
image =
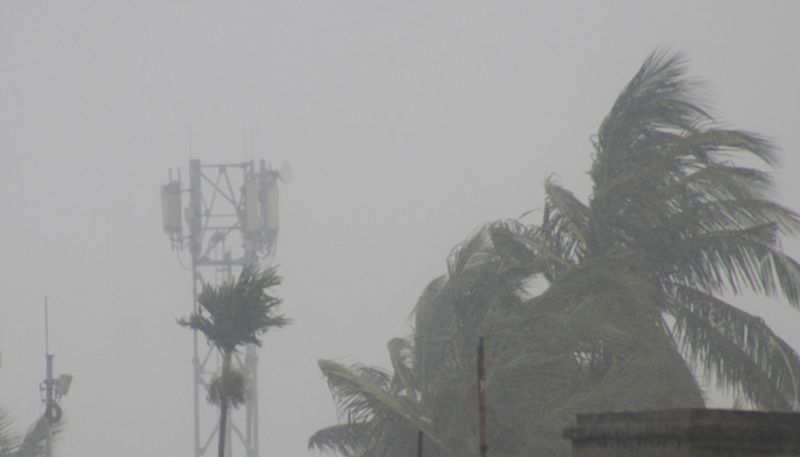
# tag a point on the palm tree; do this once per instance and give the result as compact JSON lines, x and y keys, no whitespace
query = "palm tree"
{"x":239,"y":313}
{"x":431,"y":388}
{"x":637,"y":279}
{"x":382,"y":411}
{"x":674,"y":210}
{"x":638,"y":275}
{"x":31,"y":444}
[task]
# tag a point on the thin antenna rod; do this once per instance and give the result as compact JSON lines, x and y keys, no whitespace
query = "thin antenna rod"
{"x":482,"y":399}
{"x":190,"y":142}
{"x":245,"y":147}
{"x":50,"y":403}
{"x":46,"y":329}
{"x":252,"y":141}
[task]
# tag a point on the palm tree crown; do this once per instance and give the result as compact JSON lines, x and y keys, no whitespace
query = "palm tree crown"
{"x":672,"y":203}
{"x":239,"y":311}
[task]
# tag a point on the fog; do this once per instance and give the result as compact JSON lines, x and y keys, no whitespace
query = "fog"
{"x":408,"y":124}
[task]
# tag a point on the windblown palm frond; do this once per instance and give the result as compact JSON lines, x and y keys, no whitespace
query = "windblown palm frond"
{"x":531,"y":250}
{"x":400,"y":354}
{"x":523,"y":245}
{"x":367,"y":399}
{"x":478,"y":275}
{"x":434,"y":322}
{"x":734,"y":260}
{"x":739,"y":349}
{"x":32,"y":443}
{"x":348,"y":439}
{"x":8,"y":440}
{"x":658,"y":100}
{"x":565,"y":224}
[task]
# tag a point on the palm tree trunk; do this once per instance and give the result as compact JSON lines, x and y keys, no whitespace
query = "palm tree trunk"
{"x":223,"y":406}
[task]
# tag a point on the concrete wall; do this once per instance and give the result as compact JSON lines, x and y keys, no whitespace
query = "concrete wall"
{"x":686,"y":433}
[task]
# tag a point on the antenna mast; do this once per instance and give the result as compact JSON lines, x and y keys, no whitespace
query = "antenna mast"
{"x":51,"y":389}
{"x":49,"y":402}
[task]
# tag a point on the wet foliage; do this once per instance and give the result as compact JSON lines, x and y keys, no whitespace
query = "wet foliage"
{"x":636,"y":283}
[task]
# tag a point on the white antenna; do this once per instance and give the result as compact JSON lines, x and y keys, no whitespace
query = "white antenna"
{"x":46,"y":329}
{"x":252,"y":141}
{"x":190,"y":141}
{"x":245,"y":148}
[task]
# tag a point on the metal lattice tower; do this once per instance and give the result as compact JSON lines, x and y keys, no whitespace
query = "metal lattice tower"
{"x":232,"y":219}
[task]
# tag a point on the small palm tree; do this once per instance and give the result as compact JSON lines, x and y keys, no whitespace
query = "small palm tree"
{"x":239,"y":312}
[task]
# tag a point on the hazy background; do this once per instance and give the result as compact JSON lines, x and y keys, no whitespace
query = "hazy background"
{"x":407,"y":123}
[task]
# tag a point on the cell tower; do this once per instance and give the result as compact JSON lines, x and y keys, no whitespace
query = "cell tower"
{"x":232,"y":219}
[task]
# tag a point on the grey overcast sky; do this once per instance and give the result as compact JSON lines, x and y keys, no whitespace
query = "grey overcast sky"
{"x":407,"y":123}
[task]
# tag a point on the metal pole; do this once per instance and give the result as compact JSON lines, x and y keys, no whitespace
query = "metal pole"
{"x":419,"y":443}
{"x":251,"y":366}
{"x":484,"y":447}
{"x":46,"y":329}
{"x":195,"y":363}
{"x":48,"y":379}
{"x":251,"y":356}
{"x":49,"y":402}
{"x":195,"y":213}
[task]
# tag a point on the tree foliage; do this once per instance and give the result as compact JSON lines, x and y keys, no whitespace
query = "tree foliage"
{"x":238,"y":312}
{"x":681,"y":215}
{"x":231,"y":315}
{"x":30,"y":444}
